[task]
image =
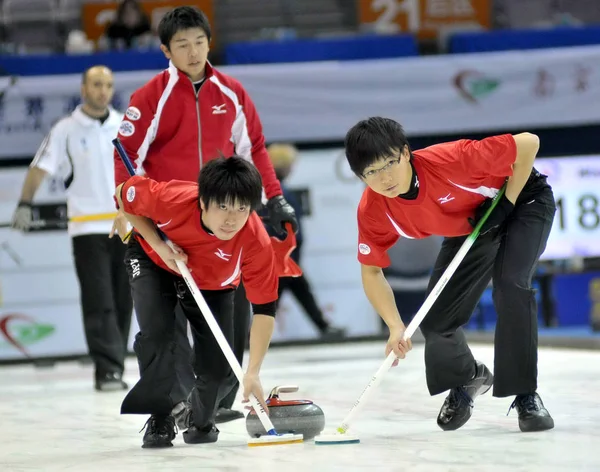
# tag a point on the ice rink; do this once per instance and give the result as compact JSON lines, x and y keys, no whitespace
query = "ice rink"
{"x":52,"y":420}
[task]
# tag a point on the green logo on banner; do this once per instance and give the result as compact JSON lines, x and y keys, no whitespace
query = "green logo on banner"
{"x":21,"y":330}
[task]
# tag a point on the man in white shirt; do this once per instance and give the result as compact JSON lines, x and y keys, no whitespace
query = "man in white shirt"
{"x":82,"y":141}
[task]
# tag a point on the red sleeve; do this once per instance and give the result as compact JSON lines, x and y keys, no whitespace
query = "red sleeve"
{"x":259,"y":273}
{"x":250,"y":142}
{"x":374,"y":238}
{"x":493,"y":156}
{"x":133,"y":131}
{"x":142,"y":196}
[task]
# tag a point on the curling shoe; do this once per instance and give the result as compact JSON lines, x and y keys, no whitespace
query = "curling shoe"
{"x":533,"y":416}
{"x":458,"y":406}
{"x":224,"y":415}
{"x":160,"y":431}
{"x":193,"y":435}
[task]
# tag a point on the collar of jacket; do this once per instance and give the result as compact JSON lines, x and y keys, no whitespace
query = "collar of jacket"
{"x":87,"y":120}
{"x":208,"y":71}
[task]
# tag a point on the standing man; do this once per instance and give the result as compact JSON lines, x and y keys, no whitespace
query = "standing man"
{"x":184,"y":117}
{"x":82,"y":141}
{"x":443,"y":190}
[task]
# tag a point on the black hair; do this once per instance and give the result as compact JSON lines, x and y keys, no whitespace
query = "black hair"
{"x":182,"y":18}
{"x":371,"y":140}
{"x":120,"y":13}
{"x":228,"y":181}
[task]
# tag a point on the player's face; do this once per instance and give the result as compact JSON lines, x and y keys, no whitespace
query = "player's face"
{"x":97,"y":91}
{"x":225,"y":220}
{"x":391,"y":175}
{"x":188,"y":51}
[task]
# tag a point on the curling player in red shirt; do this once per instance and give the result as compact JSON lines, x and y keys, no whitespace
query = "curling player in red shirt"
{"x":219,"y":236}
{"x":444,"y":190}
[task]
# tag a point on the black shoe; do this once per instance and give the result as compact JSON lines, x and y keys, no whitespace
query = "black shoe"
{"x":458,"y":406}
{"x":110,"y":382}
{"x":331,"y":333}
{"x":533,"y":416}
{"x":225,"y":415}
{"x":201,"y":436}
{"x":182,"y":412}
{"x":160,"y":431}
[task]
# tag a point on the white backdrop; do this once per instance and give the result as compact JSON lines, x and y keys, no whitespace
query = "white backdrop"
{"x":321,"y":101}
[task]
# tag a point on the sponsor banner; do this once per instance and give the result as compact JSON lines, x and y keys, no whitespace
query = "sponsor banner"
{"x":321,"y":101}
{"x":41,"y":331}
{"x":426,"y":18}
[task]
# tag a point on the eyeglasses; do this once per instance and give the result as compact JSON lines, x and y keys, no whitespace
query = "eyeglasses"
{"x":369,"y":175}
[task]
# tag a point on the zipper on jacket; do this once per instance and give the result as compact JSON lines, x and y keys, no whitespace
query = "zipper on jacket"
{"x":198,"y":119}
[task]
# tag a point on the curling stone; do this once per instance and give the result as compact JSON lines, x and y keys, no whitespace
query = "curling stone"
{"x":288,"y":416}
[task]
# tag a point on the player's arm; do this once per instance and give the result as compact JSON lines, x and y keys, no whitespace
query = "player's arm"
{"x":133,"y":132}
{"x":260,"y":338}
{"x":50,"y":156}
{"x":250,"y":143}
{"x":142,"y":224}
{"x":33,"y":180}
{"x":528,"y":145}
{"x":374,"y":241}
{"x":142,"y":208}
{"x":261,"y":281}
{"x":380,"y":295}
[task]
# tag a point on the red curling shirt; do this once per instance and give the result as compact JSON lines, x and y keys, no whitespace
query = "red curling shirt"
{"x":215,"y":264}
{"x":454,"y":179}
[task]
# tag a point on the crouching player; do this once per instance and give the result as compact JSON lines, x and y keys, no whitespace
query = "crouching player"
{"x":218,"y":235}
{"x":436,"y":191}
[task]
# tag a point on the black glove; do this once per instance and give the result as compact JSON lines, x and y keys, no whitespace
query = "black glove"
{"x":280,"y":212}
{"x":498,"y":216}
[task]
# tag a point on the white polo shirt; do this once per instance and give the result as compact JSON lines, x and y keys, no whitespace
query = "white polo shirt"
{"x":83,"y":145}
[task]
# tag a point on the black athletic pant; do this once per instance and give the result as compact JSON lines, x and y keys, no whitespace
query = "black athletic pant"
{"x":105,"y":299}
{"x":509,"y":257}
{"x":242,"y":312}
{"x":156,"y":293}
{"x":302,"y":290}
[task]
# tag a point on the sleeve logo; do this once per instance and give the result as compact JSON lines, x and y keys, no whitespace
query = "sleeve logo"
{"x":133,"y":113}
{"x":130,"y":194}
{"x":364,"y":249}
{"x":126,"y":129}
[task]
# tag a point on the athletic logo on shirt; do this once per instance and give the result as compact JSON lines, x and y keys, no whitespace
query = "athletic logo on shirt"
{"x":133,"y":113}
{"x":126,"y":129}
{"x":364,"y":249}
{"x":130,"y":194}
{"x":135,"y":268}
{"x":446,"y":199}
{"x":221,"y":254}
{"x":218,"y":109}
